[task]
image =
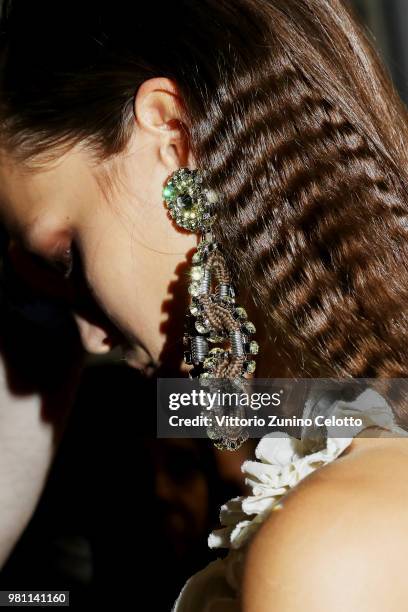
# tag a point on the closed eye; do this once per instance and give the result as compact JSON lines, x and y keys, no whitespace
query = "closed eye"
{"x":64,"y":262}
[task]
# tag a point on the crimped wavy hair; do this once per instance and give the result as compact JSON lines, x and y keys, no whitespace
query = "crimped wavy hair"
{"x":294,"y":119}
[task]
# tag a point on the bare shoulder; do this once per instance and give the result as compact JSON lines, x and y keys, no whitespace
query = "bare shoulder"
{"x":340,"y":540}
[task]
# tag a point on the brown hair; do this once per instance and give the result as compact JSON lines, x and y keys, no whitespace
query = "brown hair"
{"x":296,"y":123}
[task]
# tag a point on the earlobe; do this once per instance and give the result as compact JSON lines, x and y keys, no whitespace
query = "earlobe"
{"x":174,"y":153}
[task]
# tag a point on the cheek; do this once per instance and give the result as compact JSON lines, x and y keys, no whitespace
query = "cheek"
{"x":117,"y":271}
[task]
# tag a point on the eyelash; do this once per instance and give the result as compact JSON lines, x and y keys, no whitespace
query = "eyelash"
{"x":65,"y":263}
{"x":69,"y":260}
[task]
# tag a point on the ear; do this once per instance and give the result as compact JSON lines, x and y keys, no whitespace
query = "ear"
{"x":159,"y":112}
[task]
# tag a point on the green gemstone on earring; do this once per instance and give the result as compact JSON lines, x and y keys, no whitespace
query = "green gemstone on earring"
{"x":250,"y":367}
{"x":196,"y":273}
{"x":194,"y":310}
{"x":249,"y":327}
{"x":169,"y":192}
{"x":215,"y":337}
{"x":200,"y":327}
{"x":216,"y":352}
{"x":205,"y":375}
{"x":209,"y":363}
{"x":253,"y":347}
{"x":241,"y":312}
{"x":194,"y":288}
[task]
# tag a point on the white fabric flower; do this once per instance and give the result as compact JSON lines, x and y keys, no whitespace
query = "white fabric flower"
{"x":219,"y":596}
{"x":282,"y":462}
{"x":281,"y":465}
{"x":371,"y":408}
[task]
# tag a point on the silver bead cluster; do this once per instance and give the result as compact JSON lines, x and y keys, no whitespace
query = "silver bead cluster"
{"x":200,"y":335}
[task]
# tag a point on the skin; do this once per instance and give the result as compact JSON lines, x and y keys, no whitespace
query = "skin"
{"x":131,"y":256}
{"x":340,"y":540}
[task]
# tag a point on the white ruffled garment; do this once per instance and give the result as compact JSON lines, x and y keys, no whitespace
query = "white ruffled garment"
{"x":281,"y":462}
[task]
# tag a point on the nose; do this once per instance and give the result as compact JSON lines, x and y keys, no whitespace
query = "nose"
{"x":95,"y":338}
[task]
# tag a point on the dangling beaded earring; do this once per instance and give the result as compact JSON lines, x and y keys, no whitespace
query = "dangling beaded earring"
{"x":213,"y":317}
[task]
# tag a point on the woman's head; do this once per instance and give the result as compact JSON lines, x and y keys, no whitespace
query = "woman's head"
{"x":288,"y":110}
{"x":105,"y":220}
